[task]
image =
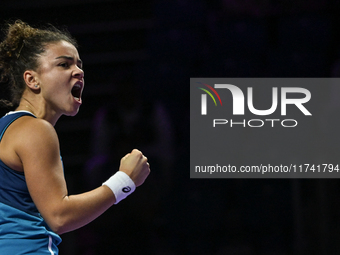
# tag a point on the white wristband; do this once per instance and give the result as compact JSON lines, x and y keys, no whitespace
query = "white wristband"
{"x":121,"y":185}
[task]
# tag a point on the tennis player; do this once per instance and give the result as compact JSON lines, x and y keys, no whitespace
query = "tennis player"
{"x":43,"y":71}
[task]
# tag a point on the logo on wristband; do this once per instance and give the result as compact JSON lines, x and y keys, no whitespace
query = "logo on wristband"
{"x":126,"y":189}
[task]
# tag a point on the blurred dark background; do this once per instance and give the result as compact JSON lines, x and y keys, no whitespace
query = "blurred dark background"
{"x":138,"y":57}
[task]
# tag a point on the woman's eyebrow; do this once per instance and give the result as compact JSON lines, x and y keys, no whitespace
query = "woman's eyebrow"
{"x":79,"y":62}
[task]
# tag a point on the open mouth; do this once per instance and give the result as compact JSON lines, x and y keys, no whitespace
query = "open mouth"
{"x":76,"y":91}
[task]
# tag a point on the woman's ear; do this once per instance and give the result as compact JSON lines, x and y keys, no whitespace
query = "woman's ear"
{"x":30,"y":78}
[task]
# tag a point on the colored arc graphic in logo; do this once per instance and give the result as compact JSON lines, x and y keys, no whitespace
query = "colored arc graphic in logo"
{"x":208,"y":92}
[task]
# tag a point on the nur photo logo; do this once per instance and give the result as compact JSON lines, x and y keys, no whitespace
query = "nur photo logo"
{"x":264,"y":127}
{"x":280,"y":98}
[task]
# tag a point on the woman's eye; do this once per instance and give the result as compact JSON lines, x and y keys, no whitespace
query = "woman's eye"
{"x":63,"y":64}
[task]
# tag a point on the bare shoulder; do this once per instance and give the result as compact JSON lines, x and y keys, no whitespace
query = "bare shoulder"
{"x":32,"y":131}
{"x":29,"y":122}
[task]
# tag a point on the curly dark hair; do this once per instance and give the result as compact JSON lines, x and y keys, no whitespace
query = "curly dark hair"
{"x":20,"y":50}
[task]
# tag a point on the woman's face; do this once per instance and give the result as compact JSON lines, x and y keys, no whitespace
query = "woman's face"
{"x":61,"y":78}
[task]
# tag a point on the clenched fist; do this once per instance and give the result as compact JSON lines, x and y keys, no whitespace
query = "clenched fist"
{"x":135,"y":165}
